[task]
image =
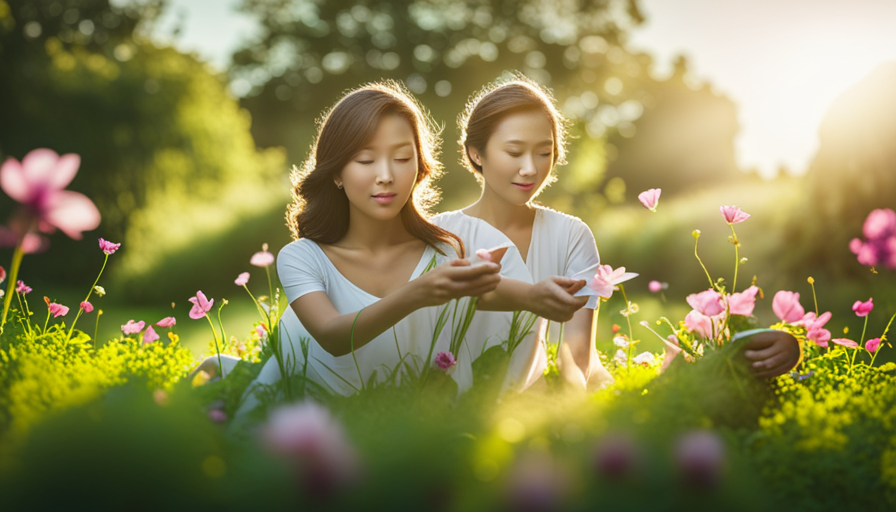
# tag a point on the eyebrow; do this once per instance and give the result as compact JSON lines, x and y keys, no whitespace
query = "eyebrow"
{"x":523,"y":143}
{"x":393,"y":146}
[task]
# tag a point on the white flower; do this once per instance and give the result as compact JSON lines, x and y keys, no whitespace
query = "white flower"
{"x":645,"y":358}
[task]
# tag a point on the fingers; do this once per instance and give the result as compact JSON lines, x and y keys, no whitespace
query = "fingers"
{"x":762,"y":340}
{"x":760,"y":355}
{"x":460,"y":262}
{"x":468,"y":272}
{"x":772,"y":367}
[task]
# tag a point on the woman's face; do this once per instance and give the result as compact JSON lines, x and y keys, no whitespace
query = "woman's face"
{"x":379,"y":179}
{"x":518,"y":157}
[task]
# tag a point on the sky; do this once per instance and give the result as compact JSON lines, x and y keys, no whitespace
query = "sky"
{"x":782,"y":61}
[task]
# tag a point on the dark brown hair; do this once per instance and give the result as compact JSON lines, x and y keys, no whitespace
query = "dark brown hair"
{"x":320,"y":211}
{"x":497,"y":100}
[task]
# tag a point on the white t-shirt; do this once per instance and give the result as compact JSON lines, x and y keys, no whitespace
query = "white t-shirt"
{"x":303,"y":268}
{"x":490,"y":328}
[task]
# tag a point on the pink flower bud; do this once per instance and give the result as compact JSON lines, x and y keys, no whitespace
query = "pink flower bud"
{"x":108,"y":247}
{"x":872,"y":345}
{"x":863,"y":308}
{"x":86,"y":306}
{"x":242,"y":279}
{"x":650,"y":198}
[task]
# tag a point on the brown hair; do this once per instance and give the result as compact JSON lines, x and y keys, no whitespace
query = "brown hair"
{"x":319,"y":211}
{"x":497,"y":100}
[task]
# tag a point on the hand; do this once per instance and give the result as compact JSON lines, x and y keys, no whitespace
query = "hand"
{"x":553,"y":298}
{"x":457,"y":279}
{"x":773,"y":353}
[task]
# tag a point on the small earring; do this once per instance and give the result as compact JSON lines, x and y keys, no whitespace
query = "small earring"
{"x":339,"y":186}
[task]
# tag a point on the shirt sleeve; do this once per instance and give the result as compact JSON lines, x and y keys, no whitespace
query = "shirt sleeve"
{"x":582,"y":253}
{"x":301,"y":270}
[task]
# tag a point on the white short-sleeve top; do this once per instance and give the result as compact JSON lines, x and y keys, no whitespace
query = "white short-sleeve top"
{"x":303,"y":267}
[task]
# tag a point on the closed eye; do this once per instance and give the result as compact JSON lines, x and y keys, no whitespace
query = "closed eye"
{"x":402,"y":160}
{"x":364,"y":162}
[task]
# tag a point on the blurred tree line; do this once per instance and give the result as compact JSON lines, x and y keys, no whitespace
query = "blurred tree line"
{"x":166,"y":152}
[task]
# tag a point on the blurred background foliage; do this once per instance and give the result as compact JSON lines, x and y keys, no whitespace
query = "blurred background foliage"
{"x":189,"y":166}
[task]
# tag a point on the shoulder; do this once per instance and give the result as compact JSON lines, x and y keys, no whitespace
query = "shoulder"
{"x":301,"y":248}
{"x":560,"y":220}
{"x":446,"y":220}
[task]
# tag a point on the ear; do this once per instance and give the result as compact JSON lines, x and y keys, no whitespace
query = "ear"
{"x":474,"y":155}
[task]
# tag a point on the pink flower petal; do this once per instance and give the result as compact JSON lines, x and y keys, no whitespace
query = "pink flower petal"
{"x":262,"y":259}
{"x":167,"y":322}
{"x":845,"y":342}
{"x":13,"y":182}
{"x":786,"y":306}
{"x":150,"y":335}
{"x":650,"y":198}
{"x":72,"y":213}
{"x":242,"y":279}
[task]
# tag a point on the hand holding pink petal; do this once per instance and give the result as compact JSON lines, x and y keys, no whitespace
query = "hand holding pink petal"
{"x":733,"y":214}
{"x":650,"y":198}
{"x":606,"y":278}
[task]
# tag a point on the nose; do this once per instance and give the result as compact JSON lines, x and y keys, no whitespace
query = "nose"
{"x":384,"y":174}
{"x":527,"y":168}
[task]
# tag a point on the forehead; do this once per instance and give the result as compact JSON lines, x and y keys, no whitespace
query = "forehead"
{"x":529,"y":126}
{"x":391,"y":130}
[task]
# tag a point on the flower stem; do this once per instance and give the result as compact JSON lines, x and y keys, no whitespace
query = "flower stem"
{"x":711,"y":284}
{"x":26,"y":313}
{"x":736,"y":256}
{"x":13,"y":277}
{"x":628,"y":318}
{"x":814,"y":297}
{"x":89,"y":292}
{"x":217,"y":348}
{"x":96,"y":328}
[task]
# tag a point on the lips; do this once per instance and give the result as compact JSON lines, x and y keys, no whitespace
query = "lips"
{"x":384,"y":197}
{"x":525,"y":186}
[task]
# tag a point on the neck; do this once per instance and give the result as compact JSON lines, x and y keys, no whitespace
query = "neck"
{"x":499,"y":213}
{"x":374,"y":234}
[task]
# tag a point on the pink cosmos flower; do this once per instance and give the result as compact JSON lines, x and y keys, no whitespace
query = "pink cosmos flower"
{"x":133,"y":327}
{"x":108,"y":247}
{"x":655,"y":286}
{"x":846,"y":342}
{"x":880,"y":223}
{"x":314,"y":443}
{"x":201,"y":305}
{"x":445,"y":361}
{"x":605,"y":280}
{"x":242,"y":279}
{"x":700,"y":456}
{"x":872,"y":345}
{"x":58,"y":310}
{"x":167,"y":322}
{"x":708,"y":302}
{"x":87,"y":307}
{"x":786,"y":306}
{"x":733,"y":214}
{"x":650,"y":198}
{"x":38,"y":183}
{"x":742,"y":303}
{"x":863,"y":308}
{"x":815,"y":328}
{"x":700,"y":323}
{"x":263,"y":258}
{"x":22,"y":288}
{"x":150,"y":335}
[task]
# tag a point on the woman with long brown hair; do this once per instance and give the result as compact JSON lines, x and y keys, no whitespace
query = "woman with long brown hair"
{"x":365,"y":265}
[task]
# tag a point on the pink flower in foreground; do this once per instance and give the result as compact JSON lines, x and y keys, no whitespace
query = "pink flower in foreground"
{"x":445,"y":361}
{"x":201,"y":305}
{"x":815,"y":328}
{"x":846,"y":342}
{"x":872,"y":345}
{"x":733,"y":214}
{"x":133,"y":327}
{"x":38,"y":183}
{"x":108,"y":247}
{"x":650,"y":198}
{"x":263,"y":258}
{"x":786,"y":306}
{"x":742,"y":303}
{"x":880,"y":223}
{"x":242,"y":279}
{"x":863,"y":308}
{"x":150,"y":335}
{"x":167,"y":322}
{"x":701,"y":324}
{"x":315,"y":445}
{"x":708,"y":302}
{"x":57,"y":310}
{"x":606,"y":279}
{"x":22,"y":288}
{"x":87,"y":307}
{"x":655,"y":286}
{"x":700,"y":456}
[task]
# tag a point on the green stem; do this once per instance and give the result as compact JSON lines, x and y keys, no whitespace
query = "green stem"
{"x":96,"y":329}
{"x":13,"y":277}
{"x":89,"y":292}
{"x":628,"y":318}
{"x":736,"y":256}
{"x":217,"y":348}
{"x":26,"y":313}
{"x":711,"y":284}
{"x":862,"y":340}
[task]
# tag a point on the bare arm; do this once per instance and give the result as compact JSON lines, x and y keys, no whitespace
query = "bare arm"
{"x":333,"y":331}
{"x":551,"y":298}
